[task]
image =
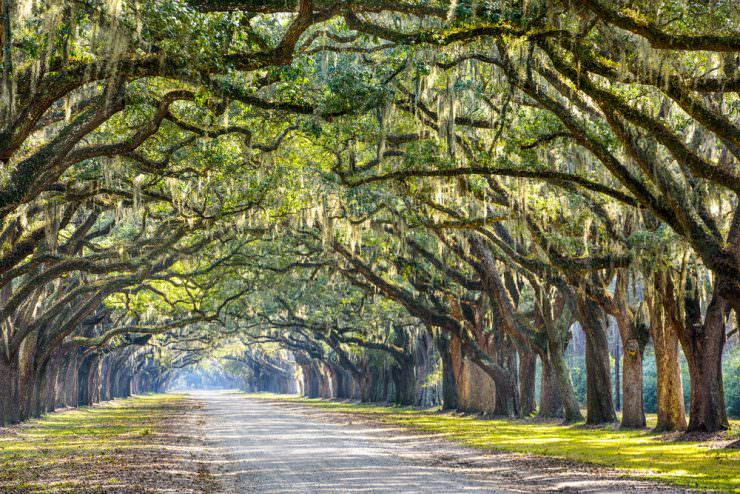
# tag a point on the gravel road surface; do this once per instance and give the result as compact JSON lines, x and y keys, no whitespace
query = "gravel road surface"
{"x":254,"y":445}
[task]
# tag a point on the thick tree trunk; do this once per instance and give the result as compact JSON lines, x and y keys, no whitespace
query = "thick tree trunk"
{"x":551,"y":402}
{"x":329,"y":380}
{"x":9,"y":392}
{"x":703,"y":344}
{"x":122,"y":382}
{"x":27,"y":375}
{"x":404,"y":378}
{"x":707,"y":411}
{"x":507,"y":395}
{"x":633,"y":337}
{"x":51,"y":382}
{"x":633,"y":415}
{"x":93,"y":381}
{"x":343,"y":383}
{"x":83,"y":378}
{"x":671,"y":408}
{"x":555,"y":372}
{"x":105,"y":390}
{"x":599,"y":405}
{"x":36,"y":397}
{"x":508,"y":402}
{"x":315,"y":382}
{"x":50,"y":385}
{"x":527,"y":375}
{"x":571,"y":407}
{"x":69,"y":390}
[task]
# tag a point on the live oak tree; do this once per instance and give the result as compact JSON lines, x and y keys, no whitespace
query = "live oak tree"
{"x":372,"y":186}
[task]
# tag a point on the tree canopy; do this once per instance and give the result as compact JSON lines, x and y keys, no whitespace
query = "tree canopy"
{"x":362,"y":189}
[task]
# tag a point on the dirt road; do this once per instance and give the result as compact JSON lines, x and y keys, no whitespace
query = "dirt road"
{"x":254,"y":445}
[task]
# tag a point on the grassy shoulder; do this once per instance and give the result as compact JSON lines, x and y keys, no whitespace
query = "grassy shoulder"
{"x":640,"y":453}
{"x":111,"y":447}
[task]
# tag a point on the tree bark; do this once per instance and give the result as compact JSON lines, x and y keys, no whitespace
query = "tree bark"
{"x":599,"y":405}
{"x":527,"y":371}
{"x":48,"y":404}
{"x":507,"y":392}
{"x":633,"y":415}
{"x":26,"y":375}
{"x":703,"y":348}
{"x":551,"y":402}
{"x":671,"y":407}
{"x":555,"y":371}
{"x":617,"y":371}
{"x":404,"y":378}
{"x":449,"y":384}
{"x":665,"y":331}
{"x":10,"y":396}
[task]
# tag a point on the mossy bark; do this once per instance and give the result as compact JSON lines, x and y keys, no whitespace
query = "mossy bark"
{"x":527,"y":371}
{"x":671,"y":407}
{"x":703,"y":342}
{"x":633,"y":415}
{"x":599,"y":404}
{"x":551,"y":402}
{"x":9,"y":397}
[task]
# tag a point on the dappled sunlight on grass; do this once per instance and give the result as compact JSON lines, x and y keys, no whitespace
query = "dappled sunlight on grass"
{"x":642,"y":453}
{"x":83,"y":449}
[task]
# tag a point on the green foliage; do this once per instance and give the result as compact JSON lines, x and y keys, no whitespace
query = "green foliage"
{"x":577,"y":366}
{"x":731,"y":371}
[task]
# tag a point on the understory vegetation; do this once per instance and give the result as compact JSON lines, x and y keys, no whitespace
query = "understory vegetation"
{"x":510,"y":207}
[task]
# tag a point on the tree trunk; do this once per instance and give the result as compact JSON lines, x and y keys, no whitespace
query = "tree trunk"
{"x":106,"y":393}
{"x":617,"y":372}
{"x":599,"y":405}
{"x":36,"y":396}
{"x":449,"y":384}
{"x":633,"y":415}
{"x":551,"y":403}
{"x":83,"y":377}
{"x":671,"y":408}
{"x":316,"y":384}
{"x":507,"y":392}
{"x":50,"y":385}
{"x":26,"y":375}
{"x":93,"y":381}
{"x":68,"y":391}
{"x":404,"y":379}
{"x":507,"y":395}
{"x":703,"y":345}
{"x":527,"y":375}
{"x":555,"y":371}
{"x":9,"y":396}
{"x":633,"y":336}
{"x":707,"y":411}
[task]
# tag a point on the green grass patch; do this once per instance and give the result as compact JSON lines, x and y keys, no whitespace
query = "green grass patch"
{"x":79,"y":450}
{"x":638,"y":452}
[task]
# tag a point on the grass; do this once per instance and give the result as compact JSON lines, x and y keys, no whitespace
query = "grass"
{"x":638,"y":452}
{"x":82,"y":450}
